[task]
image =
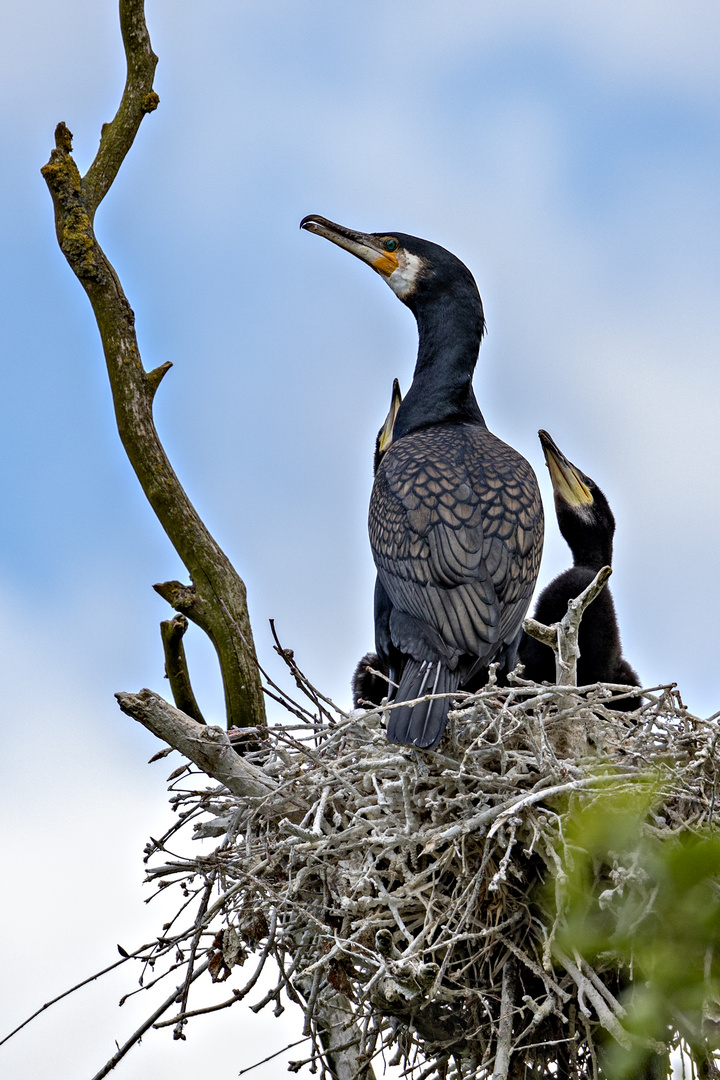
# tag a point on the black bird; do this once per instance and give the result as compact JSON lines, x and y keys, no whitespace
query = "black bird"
{"x":587,"y":523}
{"x":456,"y":521}
{"x":384,"y":439}
{"x":367,"y":688}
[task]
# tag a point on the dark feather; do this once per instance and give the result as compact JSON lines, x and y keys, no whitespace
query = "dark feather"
{"x":422,"y":725}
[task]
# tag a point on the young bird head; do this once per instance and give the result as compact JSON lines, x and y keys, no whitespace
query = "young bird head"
{"x":384,"y":438}
{"x":583,"y":513}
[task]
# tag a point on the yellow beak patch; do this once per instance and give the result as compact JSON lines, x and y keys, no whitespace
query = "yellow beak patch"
{"x":386,"y":264}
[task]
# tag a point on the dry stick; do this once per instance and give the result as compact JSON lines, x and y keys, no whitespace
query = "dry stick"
{"x":605,"y":1015}
{"x":146,"y":1025}
{"x":153,"y":982}
{"x":75,"y":201}
{"x":238,"y":995}
{"x":536,"y":969}
{"x":312,"y":998}
{"x":66,"y":993}
{"x":301,"y":681}
{"x":284,"y":699}
{"x":382,"y":675}
{"x":271,"y":1056}
{"x":208,"y":747}
{"x":178,"y":1033}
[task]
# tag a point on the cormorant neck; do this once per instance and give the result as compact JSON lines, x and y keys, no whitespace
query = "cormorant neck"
{"x":591,"y":544}
{"x":450,"y":328}
{"x":593,"y":557}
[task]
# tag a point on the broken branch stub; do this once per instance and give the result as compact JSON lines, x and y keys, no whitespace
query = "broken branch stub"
{"x":208,"y":747}
{"x":172,"y":632}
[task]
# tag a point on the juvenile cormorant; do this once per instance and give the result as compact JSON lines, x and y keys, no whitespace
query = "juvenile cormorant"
{"x":456,"y":521}
{"x":587,"y":523}
{"x":369,"y":689}
{"x":384,"y":439}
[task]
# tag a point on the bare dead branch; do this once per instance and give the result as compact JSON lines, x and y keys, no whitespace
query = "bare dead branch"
{"x":138,"y":99}
{"x":145,"y":1026}
{"x":199,"y":923}
{"x":75,"y":200}
{"x":505,"y":1027}
{"x":66,"y":993}
{"x":271,"y":1056}
{"x":302,"y":682}
{"x":208,"y":747}
{"x":607,"y":1016}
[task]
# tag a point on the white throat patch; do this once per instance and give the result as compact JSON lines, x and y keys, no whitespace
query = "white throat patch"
{"x":403,"y":280}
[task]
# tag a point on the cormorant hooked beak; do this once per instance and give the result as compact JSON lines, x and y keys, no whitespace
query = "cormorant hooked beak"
{"x":385,"y":435}
{"x":380,"y":252}
{"x":399,"y":267}
{"x":569,"y":484}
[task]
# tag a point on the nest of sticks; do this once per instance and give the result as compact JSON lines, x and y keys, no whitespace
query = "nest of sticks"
{"x":396,"y":890}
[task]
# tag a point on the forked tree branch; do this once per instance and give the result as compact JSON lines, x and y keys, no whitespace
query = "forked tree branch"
{"x":138,"y":99}
{"x":562,"y":637}
{"x":217,"y":599}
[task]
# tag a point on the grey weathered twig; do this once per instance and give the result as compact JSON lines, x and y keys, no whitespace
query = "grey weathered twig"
{"x":607,"y":1016}
{"x":146,"y":1025}
{"x":562,"y":637}
{"x":505,"y":1026}
{"x":208,"y":747}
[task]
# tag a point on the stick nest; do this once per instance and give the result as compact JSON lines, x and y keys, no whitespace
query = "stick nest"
{"x":401,"y":886}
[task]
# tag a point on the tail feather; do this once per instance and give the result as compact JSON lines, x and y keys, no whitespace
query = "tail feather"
{"x":422,"y":725}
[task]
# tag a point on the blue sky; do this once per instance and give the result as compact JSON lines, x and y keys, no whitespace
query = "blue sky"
{"x":568,"y":153}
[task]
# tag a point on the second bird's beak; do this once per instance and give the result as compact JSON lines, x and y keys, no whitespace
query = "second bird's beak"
{"x":567,"y":481}
{"x":385,"y":437}
{"x":364,"y":246}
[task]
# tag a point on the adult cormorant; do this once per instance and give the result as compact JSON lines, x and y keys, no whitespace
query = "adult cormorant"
{"x":456,"y":521}
{"x":587,"y":523}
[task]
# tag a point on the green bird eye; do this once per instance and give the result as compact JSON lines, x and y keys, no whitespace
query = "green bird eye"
{"x":391,"y":245}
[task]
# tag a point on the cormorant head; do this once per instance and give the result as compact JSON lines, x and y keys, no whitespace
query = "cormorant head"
{"x":416,"y":270}
{"x":385,"y":434}
{"x":583,"y":513}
